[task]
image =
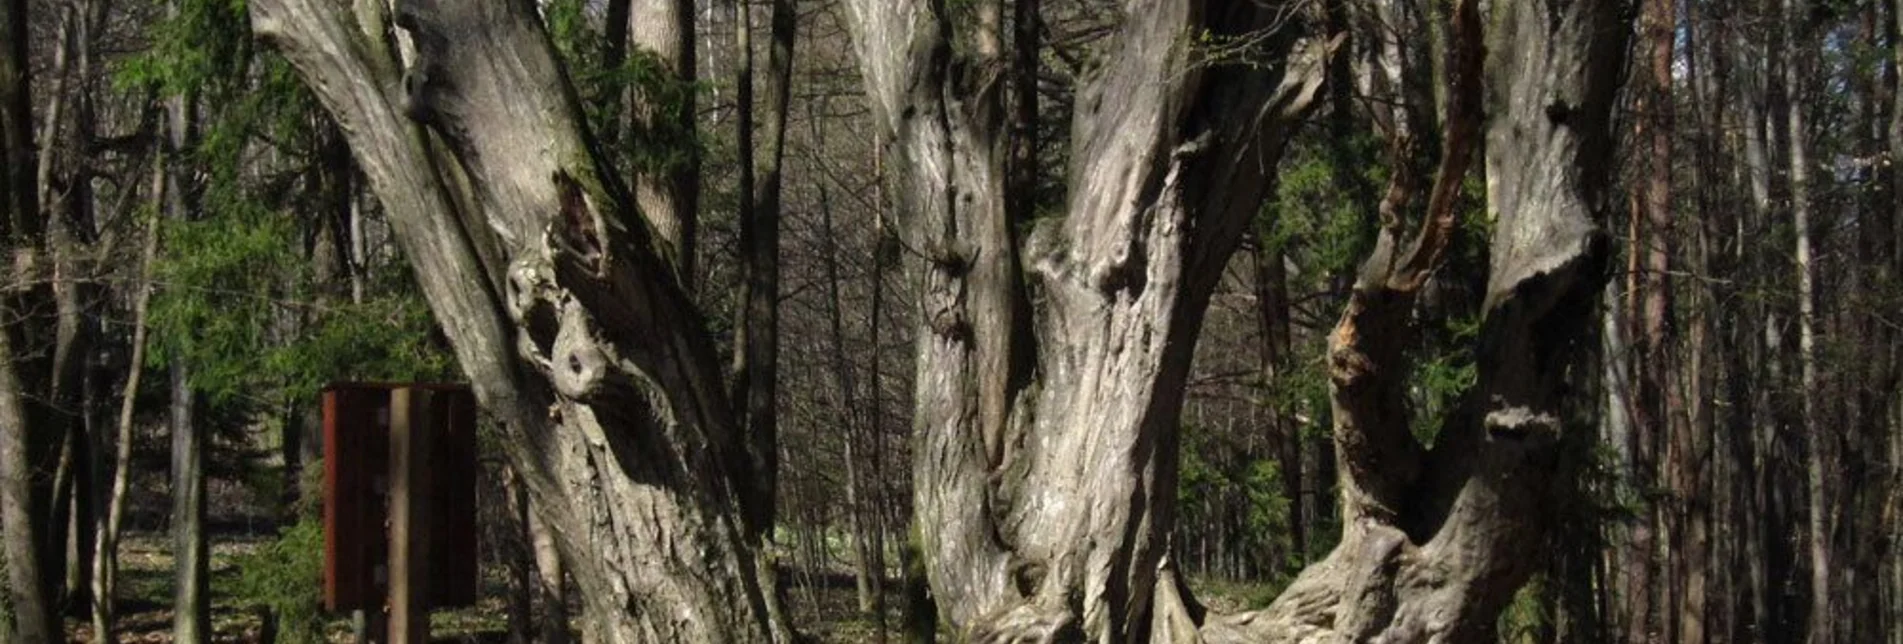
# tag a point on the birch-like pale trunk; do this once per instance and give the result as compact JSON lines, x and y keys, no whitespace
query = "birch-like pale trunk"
{"x":1819,"y":437}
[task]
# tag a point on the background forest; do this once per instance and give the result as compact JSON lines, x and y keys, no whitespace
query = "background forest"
{"x":194,"y":250}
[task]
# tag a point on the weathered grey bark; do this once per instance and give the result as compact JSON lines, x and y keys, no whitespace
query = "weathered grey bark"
{"x":520,"y":560}
{"x":191,"y":561}
{"x":551,"y":578}
{"x":1044,"y":478}
{"x":559,"y":299}
{"x":1434,"y":538}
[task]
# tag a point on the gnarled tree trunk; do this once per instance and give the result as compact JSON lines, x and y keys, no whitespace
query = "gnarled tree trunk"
{"x":1047,"y":407}
{"x":1435,"y":537}
{"x":560,"y":300}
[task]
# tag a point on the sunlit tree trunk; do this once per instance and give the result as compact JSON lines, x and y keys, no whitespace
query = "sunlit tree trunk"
{"x":1045,"y":467}
{"x":564,"y":303}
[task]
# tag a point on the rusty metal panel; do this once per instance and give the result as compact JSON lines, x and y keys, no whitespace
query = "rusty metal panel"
{"x":356,"y":510}
{"x":356,"y":453}
{"x":454,"y":578}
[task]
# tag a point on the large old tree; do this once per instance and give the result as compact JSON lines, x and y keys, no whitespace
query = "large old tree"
{"x":1051,"y":364}
{"x":1053,"y":351}
{"x":565,"y":304}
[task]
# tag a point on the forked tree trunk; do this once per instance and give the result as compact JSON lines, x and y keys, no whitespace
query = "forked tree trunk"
{"x":1045,"y":463}
{"x":560,"y":300}
{"x":1047,"y":435}
{"x":1435,"y":537}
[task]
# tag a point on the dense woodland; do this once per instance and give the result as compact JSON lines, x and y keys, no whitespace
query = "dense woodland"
{"x":983,"y":320}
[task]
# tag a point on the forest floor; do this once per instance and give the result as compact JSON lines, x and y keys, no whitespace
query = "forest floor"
{"x":825,"y":605}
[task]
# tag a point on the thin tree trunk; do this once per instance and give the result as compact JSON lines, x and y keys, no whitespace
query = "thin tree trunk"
{"x":667,"y":180}
{"x":79,"y":304}
{"x":1892,"y":583}
{"x":1868,"y":480}
{"x":59,"y":437}
{"x":757,"y":341}
{"x":869,"y":578}
{"x":106,"y":550}
{"x":918,"y":615}
{"x":1756,"y":118}
{"x":33,"y":615}
{"x":191,"y":596}
{"x":1819,"y":454}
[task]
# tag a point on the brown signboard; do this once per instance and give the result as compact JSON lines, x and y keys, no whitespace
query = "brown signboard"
{"x":357,"y":420}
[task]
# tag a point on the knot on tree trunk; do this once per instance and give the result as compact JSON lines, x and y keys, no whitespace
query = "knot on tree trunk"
{"x":580,"y":361}
{"x":556,"y":333}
